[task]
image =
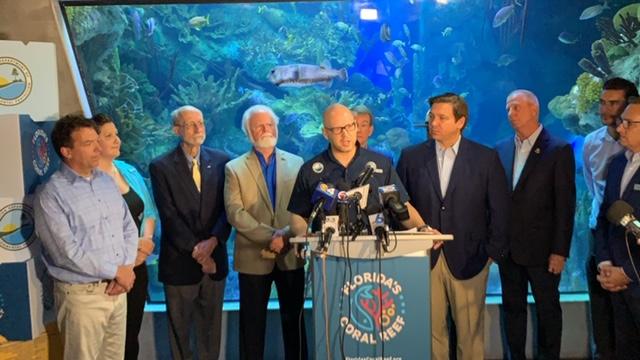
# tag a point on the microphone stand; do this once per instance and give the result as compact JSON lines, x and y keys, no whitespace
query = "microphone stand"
{"x":360,"y":224}
{"x":321,"y":238}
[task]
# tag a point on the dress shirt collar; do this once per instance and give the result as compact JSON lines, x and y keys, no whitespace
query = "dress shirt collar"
{"x":528,"y":142}
{"x":631,"y":156}
{"x":190,"y":158}
{"x":607,"y":137}
{"x":455,"y":147}
{"x":71,"y":175}
{"x":262,"y":159}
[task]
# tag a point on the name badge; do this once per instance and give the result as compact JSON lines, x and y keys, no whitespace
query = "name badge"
{"x":636,"y":187}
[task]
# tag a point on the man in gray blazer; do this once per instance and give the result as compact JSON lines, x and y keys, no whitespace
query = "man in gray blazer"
{"x":257,"y":189}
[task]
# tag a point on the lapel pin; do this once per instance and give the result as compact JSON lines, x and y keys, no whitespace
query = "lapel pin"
{"x":537,"y":150}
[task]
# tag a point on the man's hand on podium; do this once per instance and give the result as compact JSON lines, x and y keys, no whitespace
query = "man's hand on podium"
{"x":431,"y":231}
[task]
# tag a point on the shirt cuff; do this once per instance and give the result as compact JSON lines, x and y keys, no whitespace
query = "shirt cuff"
{"x":603,"y":263}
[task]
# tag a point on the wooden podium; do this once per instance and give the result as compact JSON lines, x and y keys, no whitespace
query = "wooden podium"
{"x":369,"y":303}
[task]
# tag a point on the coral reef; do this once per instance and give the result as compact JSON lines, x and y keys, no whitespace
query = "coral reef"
{"x":615,"y":54}
{"x":577,"y":110}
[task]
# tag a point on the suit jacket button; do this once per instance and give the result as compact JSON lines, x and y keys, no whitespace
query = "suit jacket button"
{"x":442,"y":208}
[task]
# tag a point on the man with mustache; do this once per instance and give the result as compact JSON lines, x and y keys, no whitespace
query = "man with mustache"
{"x":258,"y":186}
{"x":187,"y":184}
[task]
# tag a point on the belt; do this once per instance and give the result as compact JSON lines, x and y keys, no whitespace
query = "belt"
{"x":97,"y":282}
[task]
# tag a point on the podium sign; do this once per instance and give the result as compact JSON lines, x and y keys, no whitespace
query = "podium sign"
{"x":369,"y":304}
{"x":371,"y":309}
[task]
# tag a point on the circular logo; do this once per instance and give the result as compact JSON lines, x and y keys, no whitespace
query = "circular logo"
{"x":40,"y":152}
{"x":15,"y":81}
{"x":17,"y":230}
{"x":317,"y":167}
{"x":378,"y":308}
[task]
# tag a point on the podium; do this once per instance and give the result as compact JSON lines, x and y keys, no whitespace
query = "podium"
{"x":371,"y":304}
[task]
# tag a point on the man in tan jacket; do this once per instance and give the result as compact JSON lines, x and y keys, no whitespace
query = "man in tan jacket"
{"x":257,"y":189}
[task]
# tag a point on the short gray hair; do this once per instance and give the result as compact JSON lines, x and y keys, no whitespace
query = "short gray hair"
{"x":177,"y":113}
{"x":529,"y":95}
{"x":253,"y":110}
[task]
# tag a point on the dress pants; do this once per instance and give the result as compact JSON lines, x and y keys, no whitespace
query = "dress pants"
{"x":544,"y":285}
{"x":92,"y":323}
{"x":136,"y":298}
{"x":254,"y":296}
{"x":626,"y":310}
{"x":466,"y":298}
{"x":200,"y":305}
{"x":601,"y":314}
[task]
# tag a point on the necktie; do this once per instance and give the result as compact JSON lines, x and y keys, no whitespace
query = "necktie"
{"x":195,"y":173}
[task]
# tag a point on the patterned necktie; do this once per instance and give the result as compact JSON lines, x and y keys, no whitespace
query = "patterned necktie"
{"x":195,"y":173}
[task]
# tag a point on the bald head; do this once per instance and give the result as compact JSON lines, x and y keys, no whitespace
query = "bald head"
{"x":340,"y":128}
{"x":335,"y":111}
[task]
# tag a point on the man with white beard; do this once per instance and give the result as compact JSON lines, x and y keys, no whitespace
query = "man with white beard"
{"x":257,"y":189}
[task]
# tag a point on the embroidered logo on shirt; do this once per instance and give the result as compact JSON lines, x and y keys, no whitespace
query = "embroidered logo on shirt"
{"x":317,"y":167}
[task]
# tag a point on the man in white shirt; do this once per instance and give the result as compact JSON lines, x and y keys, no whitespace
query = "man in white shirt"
{"x":599,"y":147}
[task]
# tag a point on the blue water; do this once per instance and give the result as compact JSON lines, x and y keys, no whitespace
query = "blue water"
{"x":12,"y":91}
{"x":141,"y":62}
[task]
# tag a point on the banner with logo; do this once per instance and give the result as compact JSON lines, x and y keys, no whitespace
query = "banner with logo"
{"x":17,"y":230}
{"x":369,"y":309}
{"x":29,"y":80}
{"x":26,"y":154}
{"x":26,"y":299}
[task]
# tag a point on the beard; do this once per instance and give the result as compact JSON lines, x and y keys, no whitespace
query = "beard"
{"x":266,"y":142}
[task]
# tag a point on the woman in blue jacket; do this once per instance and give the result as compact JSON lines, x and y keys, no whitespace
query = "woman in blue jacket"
{"x":144,"y":213}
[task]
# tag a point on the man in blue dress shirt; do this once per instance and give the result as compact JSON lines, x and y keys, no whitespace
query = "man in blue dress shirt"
{"x":89,"y":245}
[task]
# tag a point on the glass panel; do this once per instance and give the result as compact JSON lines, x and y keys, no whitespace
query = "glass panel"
{"x":139,"y":62}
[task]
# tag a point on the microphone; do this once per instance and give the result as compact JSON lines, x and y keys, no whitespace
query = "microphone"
{"x":380,"y":229}
{"x":329,"y":227}
{"x":359,"y":195}
{"x":390,"y":199}
{"x":343,"y":207}
{"x":621,"y":213}
{"x":366,"y":175}
{"x":324,"y":197}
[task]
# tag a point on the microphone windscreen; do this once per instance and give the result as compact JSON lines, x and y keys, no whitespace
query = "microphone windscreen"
{"x":618,"y":210}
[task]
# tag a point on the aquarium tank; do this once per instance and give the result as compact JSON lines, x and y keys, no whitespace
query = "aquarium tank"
{"x":141,"y":60}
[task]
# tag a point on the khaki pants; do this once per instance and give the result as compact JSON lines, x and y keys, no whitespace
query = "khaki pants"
{"x":467,"y":300}
{"x":92,"y":323}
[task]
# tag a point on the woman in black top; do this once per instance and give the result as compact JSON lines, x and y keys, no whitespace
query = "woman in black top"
{"x":144,"y":213}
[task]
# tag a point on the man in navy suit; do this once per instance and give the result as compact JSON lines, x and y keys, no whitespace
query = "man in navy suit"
{"x":618,"y":254}
{"x":459,"y":187}
{"x":188,"y":187}
{"x":541,"y":173}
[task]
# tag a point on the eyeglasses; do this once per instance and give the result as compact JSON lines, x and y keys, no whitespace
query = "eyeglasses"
{"x":626,"y":123}
{"x":263,"y":127}
{"x":337,"y":130}
{"x":192,"y":125}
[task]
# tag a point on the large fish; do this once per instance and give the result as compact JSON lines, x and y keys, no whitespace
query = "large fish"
{"x":299,"y":75}
{"x":593,"y":11}
{"x":503,"y":15}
